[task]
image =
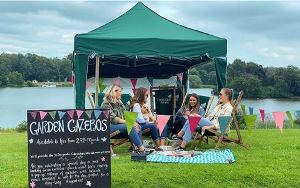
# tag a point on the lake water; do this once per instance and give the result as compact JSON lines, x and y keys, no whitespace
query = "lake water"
{"x":14,"y":102}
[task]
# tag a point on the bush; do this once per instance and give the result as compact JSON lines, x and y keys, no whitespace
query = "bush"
{"x":30,"y":84}
{"x":22,"y":127}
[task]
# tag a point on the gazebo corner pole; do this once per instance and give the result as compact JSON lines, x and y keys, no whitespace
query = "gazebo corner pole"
{"x":97,"y":80}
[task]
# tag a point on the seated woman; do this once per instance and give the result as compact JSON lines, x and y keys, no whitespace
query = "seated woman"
{"x":147,"y":114}
{"x":193,"y":107}
{"x":112,"y":101}
{"x":223,"y":108}
{"x":138,"y":100}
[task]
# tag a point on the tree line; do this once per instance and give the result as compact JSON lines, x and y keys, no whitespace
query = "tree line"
{"x":255,"y":80}
{"x":18,"y":68}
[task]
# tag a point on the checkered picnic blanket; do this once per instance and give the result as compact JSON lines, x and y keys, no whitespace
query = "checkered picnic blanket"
{"x":210,"y":156}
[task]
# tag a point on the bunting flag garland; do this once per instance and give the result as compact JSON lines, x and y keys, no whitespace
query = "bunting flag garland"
{"x":193,"y":121}
{"x":97,"y":113}
{"x":250,"y":120}
{"x":290,"y":118}
{"x":130,"y":119}
{"x":162,"y":121}
{"x":279,"y":119}
{"x":250,"y":110}
{"x":42,"y":114}
{"x":52,"y":114}
{"x":243,"y":107}
{"x":102,"y":88}
{"x":61,"y":114}
{"x":224,"y":121}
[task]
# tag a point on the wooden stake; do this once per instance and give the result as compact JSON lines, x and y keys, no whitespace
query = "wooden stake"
{"x":97,"y":79}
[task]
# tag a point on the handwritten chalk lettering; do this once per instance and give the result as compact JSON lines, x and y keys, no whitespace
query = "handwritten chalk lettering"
{"x":87,"y":125}
{"x":44,"y":127}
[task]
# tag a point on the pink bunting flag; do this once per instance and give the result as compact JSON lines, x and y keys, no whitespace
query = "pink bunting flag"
{"x":133,"y":82}
{"x":117,"y":81}
{"x":262,"y":115}
{"x":193,"y":121}
{"x":79,"y":113}
{"x":279,"y":118}
{"x":106,"y":113}
{"x":33,"y":115}
{"x":162,"y":121}
{"x":71,"y":113}
{"x":88,"y":84}
{"x":180,"y":76}
{"x":42,"y":114}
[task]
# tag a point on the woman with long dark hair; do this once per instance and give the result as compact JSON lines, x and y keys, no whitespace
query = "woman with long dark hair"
{"x":138,"y":100}
{"x":223,"y":108}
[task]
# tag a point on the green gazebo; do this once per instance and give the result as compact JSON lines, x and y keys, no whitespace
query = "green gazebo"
{"x":141,"y":43}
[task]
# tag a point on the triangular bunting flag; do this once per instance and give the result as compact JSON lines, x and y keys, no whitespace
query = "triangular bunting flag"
{"x":251,"y":110}
{"x":130,"y":119}
{"x":33,"y":115}
{"x":279,"y":118}
{"x":61,"y":114}
{"x":52,"y":114}
{"x":97,"y":113}
{"x":193,"y":121}
{"x":250,"y":120}
{"x":106,"y":113}
{"x":243,"y":107}
{"x":117,"y":81}
{"x":87,"y":84}
{"x":133,"y":82}
{"x":180,"y":76}
{"x":162,"y":121}
{"x":102,"y":88}
{"x":262,"y":115}
{"x":223,"y":122}
{"x":79,"y":113}
{"x":89,"y":113}
{"x":291,"y":120}
{"x":150,"y":79}
{"x":133,"y":91}
{"x":42,"y":114}
{"x":71,"y":113}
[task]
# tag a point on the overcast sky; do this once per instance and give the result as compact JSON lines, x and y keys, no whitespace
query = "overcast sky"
{"x":267,"y":33}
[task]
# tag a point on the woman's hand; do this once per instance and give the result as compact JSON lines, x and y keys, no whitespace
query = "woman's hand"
{"x":187,"y":113}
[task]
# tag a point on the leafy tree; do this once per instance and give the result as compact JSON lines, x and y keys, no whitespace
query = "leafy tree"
{"x":15,"y":78}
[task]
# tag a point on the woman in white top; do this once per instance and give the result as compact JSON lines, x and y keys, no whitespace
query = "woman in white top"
{"x":223,"y":108}
{"x":137,"y":101}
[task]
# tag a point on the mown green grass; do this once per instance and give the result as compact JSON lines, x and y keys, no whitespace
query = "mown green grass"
{"x":273,"y":160}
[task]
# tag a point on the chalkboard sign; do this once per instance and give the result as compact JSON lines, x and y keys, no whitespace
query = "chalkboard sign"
{"x":68,"y":148}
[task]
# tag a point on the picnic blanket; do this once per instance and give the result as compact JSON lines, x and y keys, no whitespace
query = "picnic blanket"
{"x":206,"y":157}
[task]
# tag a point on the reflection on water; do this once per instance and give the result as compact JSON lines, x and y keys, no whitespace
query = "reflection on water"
{"x":14,"y":102}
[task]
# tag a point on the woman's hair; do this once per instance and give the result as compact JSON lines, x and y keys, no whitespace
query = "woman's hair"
{"x":110,"y":94}
{"x":139,"y":97}
{"x":197,"y":106}
{"x":229,"y":93}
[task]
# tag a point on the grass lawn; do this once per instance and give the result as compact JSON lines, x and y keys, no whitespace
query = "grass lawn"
{"x":273,"y":160}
